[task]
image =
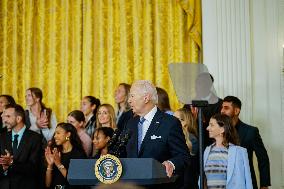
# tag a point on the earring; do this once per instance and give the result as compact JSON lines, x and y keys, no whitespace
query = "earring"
{"x":67,"y":138}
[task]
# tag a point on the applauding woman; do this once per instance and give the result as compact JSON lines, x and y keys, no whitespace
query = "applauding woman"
{"x":226,"y":165}
{"x":65,"y":145}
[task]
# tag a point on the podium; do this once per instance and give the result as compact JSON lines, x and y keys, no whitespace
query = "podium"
{"x":142,"y":171}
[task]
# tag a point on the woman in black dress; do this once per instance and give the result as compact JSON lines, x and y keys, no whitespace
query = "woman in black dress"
{"x":65,"y":145}
{"x":101,"y":140}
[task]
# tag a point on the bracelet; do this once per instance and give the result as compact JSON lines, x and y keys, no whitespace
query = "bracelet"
{"x":61,"y":167}
{"x":49,"y":169}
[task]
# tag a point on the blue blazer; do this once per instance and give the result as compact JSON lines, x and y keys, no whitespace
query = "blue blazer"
{"x":238,"y":170}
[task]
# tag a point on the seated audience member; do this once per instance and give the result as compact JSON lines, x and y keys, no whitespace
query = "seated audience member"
{"x":20,"y":149}
{"x":89,"y":107}
{"x":4,"y":100}
{"x":123,"y":107}
{"x":189,"y":128}
{"x":163,"y":101}
{"x":101,"y":140}
{"x":65,"y":145}
{"x":39,"y":118}
{"x":250,"y":139}
{"x":226,"y":164}
{"x":77,"y":119}
{"x":105,"y":116}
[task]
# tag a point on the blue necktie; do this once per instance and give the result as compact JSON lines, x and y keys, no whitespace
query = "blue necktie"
{"x":15,"y":144}
{"x":140,"y":129}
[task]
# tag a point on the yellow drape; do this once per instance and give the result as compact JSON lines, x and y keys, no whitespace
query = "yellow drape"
{"x":73,"y":48}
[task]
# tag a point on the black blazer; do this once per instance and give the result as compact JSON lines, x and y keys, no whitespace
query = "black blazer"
{"x":170,"y":144}
{"x":251,"y":140}
{"x":25,"y":171}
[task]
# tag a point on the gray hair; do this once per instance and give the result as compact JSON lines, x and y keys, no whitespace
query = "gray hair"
{"x":147,"y":88}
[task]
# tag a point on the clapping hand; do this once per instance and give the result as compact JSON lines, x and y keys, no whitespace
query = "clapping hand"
{"x":57,"y":157}
{"x":49,"y":156}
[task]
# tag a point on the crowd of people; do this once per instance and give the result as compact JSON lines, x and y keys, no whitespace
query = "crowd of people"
{"x":36,"y":150}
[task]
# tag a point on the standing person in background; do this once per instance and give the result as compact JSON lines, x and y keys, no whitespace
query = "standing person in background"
{"x":106,"y":116}
{"x":89,"y":107}
{"x":39,"y":118}
{"x":225,"y":163}
{"x":65,"y":145}
{"x":163,"y":101}
{"x":20,"y":149}
{"x":77,"y":119}
{"x":249,"y":139}
{"x":189,"y":128}
{"x":123,"y":113}
{"x":121,"y":99}
{"x":4,"y":100}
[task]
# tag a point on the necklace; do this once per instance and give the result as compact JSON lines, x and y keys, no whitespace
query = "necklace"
{"x":67,"y":150}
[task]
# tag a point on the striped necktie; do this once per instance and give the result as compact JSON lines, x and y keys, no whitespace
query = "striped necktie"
{"x":140,"y":132}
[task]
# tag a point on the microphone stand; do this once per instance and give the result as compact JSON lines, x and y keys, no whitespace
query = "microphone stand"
{"x":200,"y":104}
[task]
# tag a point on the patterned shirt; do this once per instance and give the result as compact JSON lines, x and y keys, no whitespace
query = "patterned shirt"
{"x":216,"y":168}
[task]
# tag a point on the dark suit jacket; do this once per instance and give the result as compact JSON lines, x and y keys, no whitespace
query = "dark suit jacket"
{"x":171,"y":146}
{"x":251,"y":140}
{"x":24,"y":173}
{"x":122,"y":122}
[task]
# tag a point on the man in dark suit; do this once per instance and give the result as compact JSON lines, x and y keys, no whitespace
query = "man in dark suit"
{"x":20,"y":152}
{"x":249,"y":139}
{"x":155,"y":134}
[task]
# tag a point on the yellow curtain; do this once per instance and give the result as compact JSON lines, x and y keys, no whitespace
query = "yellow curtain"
{"x":73,"y":48}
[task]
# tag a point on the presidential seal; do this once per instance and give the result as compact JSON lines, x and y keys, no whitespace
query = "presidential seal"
{"x":108,"y":169}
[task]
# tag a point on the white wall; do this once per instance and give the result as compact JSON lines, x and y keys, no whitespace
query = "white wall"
{"x":242,"y":47}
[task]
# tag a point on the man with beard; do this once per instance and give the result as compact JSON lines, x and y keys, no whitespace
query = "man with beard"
{"x":249,"y":139}
{"x":20,"y":152}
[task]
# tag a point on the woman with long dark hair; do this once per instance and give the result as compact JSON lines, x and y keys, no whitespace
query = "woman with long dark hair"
{"x":101,"y":140}
{"x":65,"y":145}
{"x":226,"y":164}
{"x":77,"y":119}
{"x":89,"y":107}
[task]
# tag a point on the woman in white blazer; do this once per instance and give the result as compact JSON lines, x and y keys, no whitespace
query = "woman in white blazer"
{"x":225,"y":164}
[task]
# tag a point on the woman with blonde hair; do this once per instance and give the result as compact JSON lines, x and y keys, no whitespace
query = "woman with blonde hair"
{"x":105,"y":116}
{"x":189,"y":128}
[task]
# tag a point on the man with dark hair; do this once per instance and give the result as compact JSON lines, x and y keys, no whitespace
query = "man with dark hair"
{"x":4,"y":100}
{"x":249,"y":139}
{"x":20,"y":152}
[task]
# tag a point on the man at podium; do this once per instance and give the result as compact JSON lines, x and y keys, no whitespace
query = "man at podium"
{"x":155,"y":134}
